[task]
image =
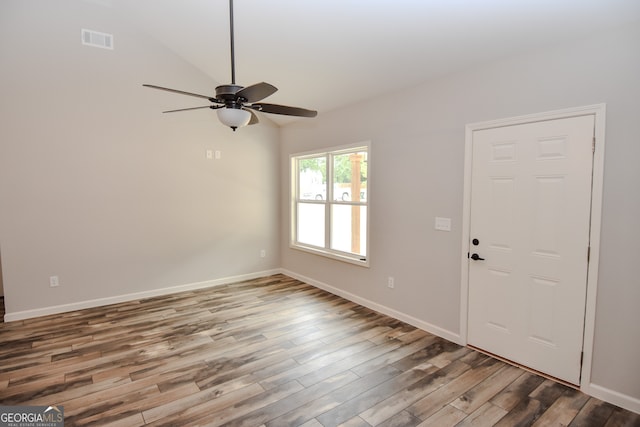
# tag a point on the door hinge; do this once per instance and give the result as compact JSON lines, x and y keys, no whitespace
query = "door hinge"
{"x":581,"y":357}
{"x":593,"y":145}
{"x":588,"y":253}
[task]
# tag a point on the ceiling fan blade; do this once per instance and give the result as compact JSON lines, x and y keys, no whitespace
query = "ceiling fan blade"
{"x":284,"y":110}
{"x":210,"y":98}
{"x":213,"y":107}
{"x":256,"y":92}
{"x":254,"y":117}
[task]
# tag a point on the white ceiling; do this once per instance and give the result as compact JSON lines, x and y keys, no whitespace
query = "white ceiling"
{"x":325,"y":54}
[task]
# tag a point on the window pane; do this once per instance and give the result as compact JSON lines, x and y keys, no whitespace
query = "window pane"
{"x":349,"y":229}
{"x":312,"y":178}
{"x":330,"y":202}
{"x":350,"y":177}
{"x":311,"y":224}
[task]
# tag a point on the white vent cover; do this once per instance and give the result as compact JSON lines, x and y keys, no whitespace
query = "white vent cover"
{"x":97,"y":39}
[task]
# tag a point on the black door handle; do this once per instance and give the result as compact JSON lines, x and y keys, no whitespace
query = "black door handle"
{"x":476,"y":257}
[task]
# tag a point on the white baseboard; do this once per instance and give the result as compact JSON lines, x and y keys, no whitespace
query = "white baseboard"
{"x":622,"y":400}
{"x":425,"y":326}
{"x":80,"y":305}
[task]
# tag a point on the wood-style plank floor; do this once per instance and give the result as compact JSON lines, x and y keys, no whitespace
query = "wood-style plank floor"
{"x":270,"y":352}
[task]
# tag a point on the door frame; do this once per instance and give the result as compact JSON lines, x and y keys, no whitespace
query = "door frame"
{"x":599,"y":112}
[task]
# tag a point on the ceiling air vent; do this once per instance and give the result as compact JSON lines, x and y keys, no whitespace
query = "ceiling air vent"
{"x":97,"y":39}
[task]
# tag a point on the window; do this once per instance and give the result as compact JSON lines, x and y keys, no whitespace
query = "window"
{"x":329,"y":203}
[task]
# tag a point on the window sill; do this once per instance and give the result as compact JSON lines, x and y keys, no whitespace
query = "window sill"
{"x":348,"y":258}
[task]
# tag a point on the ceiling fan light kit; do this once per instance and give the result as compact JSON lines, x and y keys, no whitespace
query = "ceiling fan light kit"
{"x":233,"y":117}
{"x":234,"y":103}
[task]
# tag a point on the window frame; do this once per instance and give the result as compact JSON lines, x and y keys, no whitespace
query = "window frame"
{"x":328,"y":202}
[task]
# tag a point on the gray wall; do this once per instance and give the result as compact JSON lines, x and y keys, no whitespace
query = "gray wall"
{"x":416,"y":173}
{"x":100,"y":188}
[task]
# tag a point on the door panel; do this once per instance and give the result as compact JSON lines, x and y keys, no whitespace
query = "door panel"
{"x":530,"y":211}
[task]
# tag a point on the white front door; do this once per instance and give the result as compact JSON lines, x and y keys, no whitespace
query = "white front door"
{"x":529,"y":224}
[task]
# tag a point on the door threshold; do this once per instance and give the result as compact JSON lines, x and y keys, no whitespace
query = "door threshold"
{"x":525,"y":368}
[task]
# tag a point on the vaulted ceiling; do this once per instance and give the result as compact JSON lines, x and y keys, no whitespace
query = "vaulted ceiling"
{"x":325,"y":54}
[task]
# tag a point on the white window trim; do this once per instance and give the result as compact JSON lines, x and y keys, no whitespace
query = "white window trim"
{"x":363,"y":261}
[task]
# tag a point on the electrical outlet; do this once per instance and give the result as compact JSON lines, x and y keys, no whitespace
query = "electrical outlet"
{"x":209,"y":154}
{"x":54,"y":281}
{"x":263,"y":253}
{"x":391,"y":283}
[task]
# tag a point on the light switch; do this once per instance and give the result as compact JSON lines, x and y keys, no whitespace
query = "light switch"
{"x":218,"y":154}
{"x":443,"y":224}
{"x":209,"y":154}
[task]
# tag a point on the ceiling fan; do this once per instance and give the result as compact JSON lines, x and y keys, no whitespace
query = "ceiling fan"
{"x":236,"y":104}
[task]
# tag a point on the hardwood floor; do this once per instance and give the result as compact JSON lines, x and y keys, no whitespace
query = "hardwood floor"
{"x":273,"y":352}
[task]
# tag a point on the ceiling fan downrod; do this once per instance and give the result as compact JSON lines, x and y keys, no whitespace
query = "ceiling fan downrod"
{"x":233,"y":60}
